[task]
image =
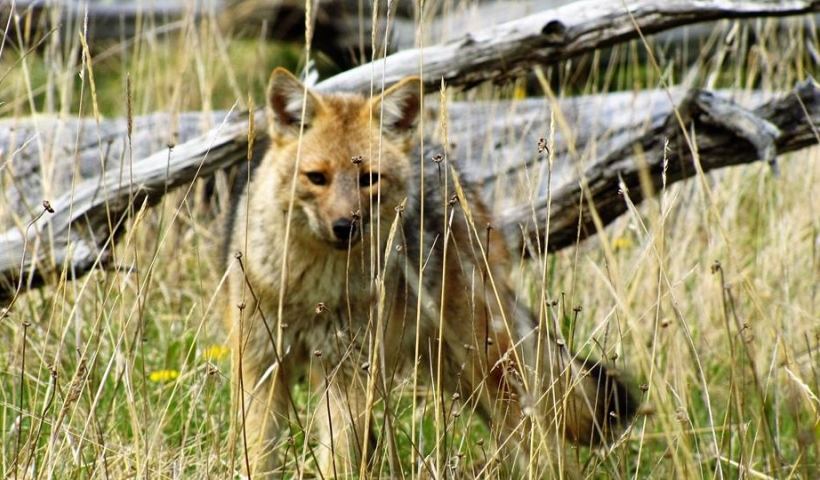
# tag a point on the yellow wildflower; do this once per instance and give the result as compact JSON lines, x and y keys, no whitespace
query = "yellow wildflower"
{"x":215,"y":353}
{"x":161,"y":376}
{"x":619,"y":243}
{"x":519,"y":91}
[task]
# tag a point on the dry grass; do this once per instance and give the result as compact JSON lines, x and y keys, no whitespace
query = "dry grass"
{"x":709,"y":292}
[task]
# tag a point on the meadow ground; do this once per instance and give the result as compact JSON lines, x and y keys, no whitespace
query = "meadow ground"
{"x":710,"y":292}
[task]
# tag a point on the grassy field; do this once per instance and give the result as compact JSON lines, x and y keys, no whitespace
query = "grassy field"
{"x":710,"y":291}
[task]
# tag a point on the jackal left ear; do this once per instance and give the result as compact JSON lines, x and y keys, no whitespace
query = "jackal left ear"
{"x":401,"y":106}
{"x":285,"y":96}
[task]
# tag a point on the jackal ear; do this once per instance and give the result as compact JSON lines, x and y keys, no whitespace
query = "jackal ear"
{"x":285,"y":96}
{"x":400,"y":106}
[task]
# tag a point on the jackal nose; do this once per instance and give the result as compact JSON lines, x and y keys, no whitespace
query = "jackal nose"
{"x":345,"y":229}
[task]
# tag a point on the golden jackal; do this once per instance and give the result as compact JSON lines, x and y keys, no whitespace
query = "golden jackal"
{"x":353,"y":270}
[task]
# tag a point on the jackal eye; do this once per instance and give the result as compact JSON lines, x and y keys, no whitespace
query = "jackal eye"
{"x":367,"y":179}
{"x":317,"y":178}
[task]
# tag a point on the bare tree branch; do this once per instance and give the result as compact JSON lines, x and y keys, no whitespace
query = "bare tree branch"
{"x":509,"y":50}
{"x":791,"y":123}
{"x":339,"y":25}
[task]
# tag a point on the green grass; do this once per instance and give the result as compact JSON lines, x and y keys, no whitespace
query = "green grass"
{"x":115,"y":375}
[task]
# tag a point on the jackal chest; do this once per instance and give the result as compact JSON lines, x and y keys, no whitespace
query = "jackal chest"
{"x":330,"y":300}
{"x":332,"y":321}
{"x":326,"y":296}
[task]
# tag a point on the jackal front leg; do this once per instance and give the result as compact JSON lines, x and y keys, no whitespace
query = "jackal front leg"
{"x":260,"y":393}
{"x":341,"y":414}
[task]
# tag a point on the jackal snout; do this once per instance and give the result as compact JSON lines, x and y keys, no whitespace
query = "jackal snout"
{"x":346,"y":229}
{"x":340,"y":213}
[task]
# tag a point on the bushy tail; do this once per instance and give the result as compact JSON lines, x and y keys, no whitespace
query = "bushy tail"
{"x":600,"y":405}
{"x":586,"y":402}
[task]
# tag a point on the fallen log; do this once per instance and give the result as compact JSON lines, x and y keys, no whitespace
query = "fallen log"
{"x":509,"y":50}
{"x":73,"y":231}
{"x":491,"y":152}
{"x":342,"y":27}
{"x":664,"y":153}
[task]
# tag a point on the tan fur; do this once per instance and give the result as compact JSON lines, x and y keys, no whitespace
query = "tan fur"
{"x":330,"y":293}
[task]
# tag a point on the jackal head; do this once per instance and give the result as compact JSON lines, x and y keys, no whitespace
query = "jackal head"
{"x":342,"y":158}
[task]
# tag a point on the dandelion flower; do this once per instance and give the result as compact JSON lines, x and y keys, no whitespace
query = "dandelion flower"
{"x":215,"y":353}
{"x":162,"y":376}
{"x":620,"y":243}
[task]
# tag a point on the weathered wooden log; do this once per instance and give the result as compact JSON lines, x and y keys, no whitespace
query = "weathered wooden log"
{"x":509,"y":50}
{"x":489,"y":151}
{"x":726,"y":135}
{"x":87,"y":213}
{"x":342,"y":28}
{"x":106,"y":20}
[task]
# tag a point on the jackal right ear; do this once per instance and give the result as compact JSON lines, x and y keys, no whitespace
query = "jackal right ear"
{"x":285,"y":96}
{"x":400,"y":107}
